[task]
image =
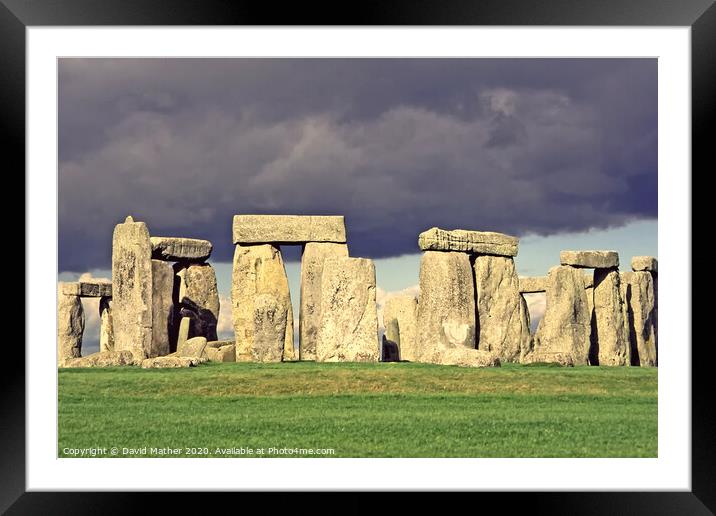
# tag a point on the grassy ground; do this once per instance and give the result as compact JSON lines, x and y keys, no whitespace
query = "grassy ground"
{"x":362,"y":410}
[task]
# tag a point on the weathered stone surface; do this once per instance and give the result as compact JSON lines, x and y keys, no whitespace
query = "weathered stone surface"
{"x":176,"y":249}
{"x":460,"y":356}
{"x":538,"y":357}
{"x":198,"y":298}
{"x":609,"y":337}
{"x":270,"y":319}
{"x":638,"y":294}
{"x":220,"y":343}
{"x":565,"y":328}
{"x":171,"y":362}
{"x":349,"y":331}
{"x":483,"y":242}
{"x":500,"y":325}
{"x":94,"y":288}
{"x":403,"y":309}
{"x":221,"y":354}
{"x":312,"y":259}
{"x":257,"y":269}
{"x":288,"y":229}
{"x":70,"y":327}
{"x":132,"y":288}
{"x":527,"y":343}
{"x":183,"y":332}
{"x":588,"y":279}
{"x":106,"y":334}
{"x":390,"y":351}
{"x":103,"y":359}
{"x":162,"y":307}
{"x":193,"y":347}
{"x":590,"y":259}
{"x":446,"y":308}
{"x":644,"y":263}
{"x":530,"y":285}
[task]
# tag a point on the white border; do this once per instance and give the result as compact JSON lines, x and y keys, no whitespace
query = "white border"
{"x":670,"y":471}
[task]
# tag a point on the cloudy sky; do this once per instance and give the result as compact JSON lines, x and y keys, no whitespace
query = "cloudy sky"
{"x":560,"y":152}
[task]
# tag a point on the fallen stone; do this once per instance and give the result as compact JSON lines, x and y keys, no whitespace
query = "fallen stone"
{"x":103,"y":359}
{"x":531,"y":285}
{"x":175,"y":249}
{"x":460,"y":356}
{"x":541,"y":357}
{"x":220,"y":343}
{"x":403,"y":309}
{"x":270,"y":319}
{"x":106,"y":334}
{"x":258,"y":269}
{"x":312,"y":260}
{"x":565,"y":328}
{"x":95,"y":288}
{"x":198,"y":298}
{"x":609,"y":340}
{"x":446,"y":308}
{"x":349,"y":331}
{"x":288,"y":229}
{"x":590,"y":259}
{"x":221,"y":354}
{"x":132,"y":288}
{"x":162,"y":307}
{"x":500,"y":327}
{"x":644,"y":263}
{"x":70,"y":327}
{"x":171,"y":362}
{"x":389,"y":350}
{"x":193,"y":347}
{"x":638,"y":295}
{"x":483,"y":242}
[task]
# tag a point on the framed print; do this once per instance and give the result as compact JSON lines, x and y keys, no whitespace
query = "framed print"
{"x":424,"y":252}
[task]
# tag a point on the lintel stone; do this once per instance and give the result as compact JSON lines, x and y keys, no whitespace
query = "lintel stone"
{"x":288,"y":229}
{"x":590,"y":259}
{"x":482,"y":242}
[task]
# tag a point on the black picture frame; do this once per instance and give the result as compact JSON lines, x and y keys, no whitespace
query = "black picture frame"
{"x":700,"y":15}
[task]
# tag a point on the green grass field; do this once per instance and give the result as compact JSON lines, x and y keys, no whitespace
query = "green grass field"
{"x":362,"y":410}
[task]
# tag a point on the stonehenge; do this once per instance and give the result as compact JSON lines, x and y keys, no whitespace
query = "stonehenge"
{"x":161,"y":308}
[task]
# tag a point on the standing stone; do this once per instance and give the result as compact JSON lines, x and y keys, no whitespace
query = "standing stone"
{"x":609,"y":336}
{"x":106,"y":334}
{"x":257,"y":269}
{"x":132,"y":288}
{"x":638,"y":289}
{"x":70,"y":326}
{"x":312,"y":260}
{"x":446,"y":308}
{"x":500,"y":319}
{"x":527,"y":342}
{"x":198,"y":298}
{"x":183,"y":333}
{"x":563,"y":333}
{"x":349,"y":329}
{"x":389,"y":350}
{"x":270,"y":319}
{"x":402,"y":309}
{"x":162,"y":308}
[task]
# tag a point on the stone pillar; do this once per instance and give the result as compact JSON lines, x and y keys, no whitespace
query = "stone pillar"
{"x":402,"y":309}
{"x":446,"y":309}
{"x":639,"y":301}
{"x":270,"y":319}
{"x":132,"y":288}
{"x":197,"y":297}
{"x":563,"y":333}
{"x":257,"y":269}
{"x":162,"y":308}
{"x":609,"y":338}
{"x":70,"y":326}
{"x":349,"y":328}
{"x":651,"y":265}
{"x":527,"y":344}
{"x":106,"y":333}
{"x":312,"y":259}
{"x":500,"y":319}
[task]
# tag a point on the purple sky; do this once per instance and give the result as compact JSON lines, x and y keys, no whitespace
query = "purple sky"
{"x":520,"y":146}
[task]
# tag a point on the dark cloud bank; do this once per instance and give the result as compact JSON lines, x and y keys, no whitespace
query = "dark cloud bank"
{"x":518,"y":146}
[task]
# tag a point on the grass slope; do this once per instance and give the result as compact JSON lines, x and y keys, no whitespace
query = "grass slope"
{"x":363,"y":410}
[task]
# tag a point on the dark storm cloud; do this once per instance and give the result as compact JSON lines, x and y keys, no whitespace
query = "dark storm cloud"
{"x":518,"y":146}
